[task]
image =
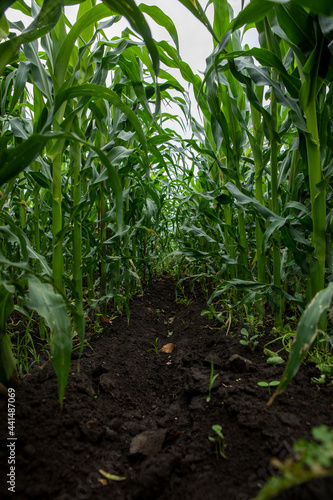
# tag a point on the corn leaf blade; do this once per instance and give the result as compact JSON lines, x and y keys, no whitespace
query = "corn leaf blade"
{"x":306,"y":334}
{"x":51,"y":306}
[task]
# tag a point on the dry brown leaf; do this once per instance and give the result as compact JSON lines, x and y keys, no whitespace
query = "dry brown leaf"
{"x":168,"y":348}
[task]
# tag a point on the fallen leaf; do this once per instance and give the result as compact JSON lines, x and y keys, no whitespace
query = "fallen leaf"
{"x":113,"y":477}
{"x":168,"y":348}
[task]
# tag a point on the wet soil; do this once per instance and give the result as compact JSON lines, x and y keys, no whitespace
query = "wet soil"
{"x":135,"y":413}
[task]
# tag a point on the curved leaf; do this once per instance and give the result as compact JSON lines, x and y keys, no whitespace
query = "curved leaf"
{"x":254,"y":12}
{"x":306,"y":334}
{"x":162,"y":19}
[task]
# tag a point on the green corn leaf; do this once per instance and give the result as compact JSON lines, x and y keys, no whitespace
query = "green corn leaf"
{"x":297,"y":24}
{"x":244,"y":199}
{"x":4,"y":28}
{"x":196,"y":9}
{"x":7,"y":360}
{"x":133,"y":14}
{"x":18,"y":265}
{"x":20,"y":82}
{"x":326,"y":24}
{"x":14,"y":160}
{"x":91,"y":90}
{"x":250,"y":286}
{"x":88,"y":33}
{"x":323,"y":7}
{"x":254,"y":12}
{"x":92,"y":16}
{"x":222,"y":16}
{"x":273,"y":227}
{"x":306,"y":334}
{"x":41,"y":77}
{"x":118,"y":154}
{"x":197,"y":231}
{"x":15,"y":235}
{"x":7,"y":304}
{"x":45,"y":21}
{"x":51,"y":306}
{"x":72,"y":2}
{"x":21,"y":6}
{"x":162,"y":19}
{"x":270,"y":60}
{"x":4,"y":5}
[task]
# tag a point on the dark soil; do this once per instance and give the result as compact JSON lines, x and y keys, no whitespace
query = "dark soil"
{"x":142,"y":415}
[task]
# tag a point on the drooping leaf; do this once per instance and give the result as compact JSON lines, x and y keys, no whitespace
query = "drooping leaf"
{"x":162,"y":19}
{"x":196,"y":9}
{"x":51,"y":306}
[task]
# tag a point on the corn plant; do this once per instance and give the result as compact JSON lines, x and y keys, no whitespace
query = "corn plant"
{"x":98,"y":191}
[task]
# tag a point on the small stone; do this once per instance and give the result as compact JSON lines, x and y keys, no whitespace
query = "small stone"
{"x":110,"y":433}
{"x":197,"y":403}
{"x":147,"y":443}
{"x":84,"y":384}
{"x":107,"y":382}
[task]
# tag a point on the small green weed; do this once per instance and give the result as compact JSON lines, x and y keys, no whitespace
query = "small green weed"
{"x":248,"y":341}
{"x":269,"y":385}
{"x":218,"y":439}
{"x":273,"y":357}
{"x":154,"y":346}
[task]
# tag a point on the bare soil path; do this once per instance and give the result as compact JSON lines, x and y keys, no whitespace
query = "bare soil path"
{"x":136,"y":414}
